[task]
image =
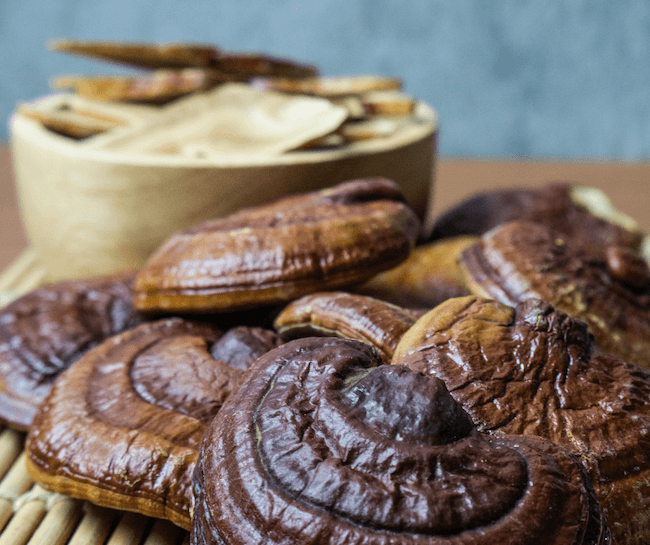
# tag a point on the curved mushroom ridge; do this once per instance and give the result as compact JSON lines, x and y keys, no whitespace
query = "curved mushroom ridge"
{"x":277,"y":252}
{"x":194,"y":375}
{"x":340,"y":314}
{"x":123,"y":426}
{"x":536,"y":371}
{"x":611,"y":293}
{"x":322,"y":445}
{"x":43,"y":332}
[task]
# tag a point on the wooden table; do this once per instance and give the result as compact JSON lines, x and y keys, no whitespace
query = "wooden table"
{"x":627,"y":184}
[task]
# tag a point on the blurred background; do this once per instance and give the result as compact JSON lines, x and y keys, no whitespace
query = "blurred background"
{"x":523,"y":78}
{"x":526,"y":91}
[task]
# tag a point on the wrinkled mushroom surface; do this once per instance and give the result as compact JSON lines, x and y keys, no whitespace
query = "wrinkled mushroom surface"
{"x":429,"y":276}
{"x":322,"y":445}
{"x":584,"y":215}
{"x":346,"y":315}
{"x":611,"y":293}
{"x":123,"y":426}
{"x":534,"y":370}
{"x":47,"y":329}
{"x":275,"y":253}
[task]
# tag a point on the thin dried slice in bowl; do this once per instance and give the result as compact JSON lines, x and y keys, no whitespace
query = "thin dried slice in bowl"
{"x":278,"y":252}
{"x":46,"y":330}
{"x":157,"y":87}
{"x":331,"y":87}
{"x":144,"y":55}
{"x":388,"y":103}
{"x":249,"y":65}
{"x":123,"y":426}
{"x":234,"y":122}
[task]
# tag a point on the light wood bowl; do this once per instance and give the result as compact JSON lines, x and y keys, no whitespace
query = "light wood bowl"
{"x":89,"y":211}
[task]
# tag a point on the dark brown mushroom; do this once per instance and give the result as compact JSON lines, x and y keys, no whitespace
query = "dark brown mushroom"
{"x":275,"y":253}
{"x":346,"y":315}
{"x":583,"y":215}
{"x":46,"y":330}
{"x":429,"y":276}
{"x":123,"y":426}
{"x":521,"y":260}
{"x":534,"y":370}
{"x":321,"y":445}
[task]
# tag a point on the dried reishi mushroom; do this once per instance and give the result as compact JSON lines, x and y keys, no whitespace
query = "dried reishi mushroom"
{"x":388,"y":103}
{"x":158,"y":87}
{"x":322,"y":445}
{"x":519,"y":260}
{"x":340,"y":314}
{"x":333,"y":87}
{"x":249,"y":65}
{"x":534,"y":370}
{"x":429,"y":276}
{"x":122,"y":427}
{"x":583,"y":215}
{"x":46,"y":330}
{"x":278,"y":252}
{"x":143,"y":55}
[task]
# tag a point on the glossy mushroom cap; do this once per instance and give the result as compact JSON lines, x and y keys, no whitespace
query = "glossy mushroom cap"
{"x":583,"y":215}
{"x":322,"y":446}
{"x":275,"y":253}
{"x":122,"y":427}
{"x":346,"y":315}
{"x":534,"y":370}
{"x":46,"y":330}
{"x":611,"y":293}
{"x":429,"y":276}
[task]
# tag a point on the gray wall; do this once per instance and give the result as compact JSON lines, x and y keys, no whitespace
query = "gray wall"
{"x":538,"y":78}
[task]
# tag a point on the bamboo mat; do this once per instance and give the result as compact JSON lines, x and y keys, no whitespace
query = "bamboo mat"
{"x":31,"y":515}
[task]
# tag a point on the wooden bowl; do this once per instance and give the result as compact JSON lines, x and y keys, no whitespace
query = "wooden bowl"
{"x":89,"y":211}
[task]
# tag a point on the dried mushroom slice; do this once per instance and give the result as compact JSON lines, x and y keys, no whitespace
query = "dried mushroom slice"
{"x":323,"y":445}
{"x":533,"y":370}
{"x":429,"y":276}
{"x":388,"y":103}
{"x":158,"y":87}
{"x":278,"y":252}
{"x":143,"y":55}
{"x":123,"y":426}
{"x":333,"y":87}
{"x":610,"y":291}
{"x":340,"y":314}
{"x":584,"y":215}
{"x":250,"y":65}
{"x":46,"y":330}
{"x":72,"y":123}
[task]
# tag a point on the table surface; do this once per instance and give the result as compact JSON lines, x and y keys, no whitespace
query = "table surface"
{"x":626,"y":184}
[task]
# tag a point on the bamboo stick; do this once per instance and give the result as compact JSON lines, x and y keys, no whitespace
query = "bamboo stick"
{"x":130,"y":530}
{"x":25,"y":520}
{"x":15,"y":483}
{"x":59,"y":523}
{"x":164,"y":532}
{"x":95,"y":525}
{"x":11,"y":445}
